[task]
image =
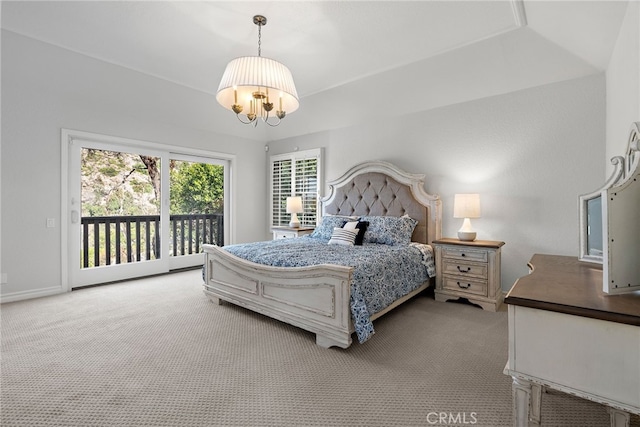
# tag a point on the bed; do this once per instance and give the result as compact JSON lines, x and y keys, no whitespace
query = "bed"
{"x":327,"y":298}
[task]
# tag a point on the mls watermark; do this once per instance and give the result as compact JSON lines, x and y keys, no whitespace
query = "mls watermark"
{"x":452,"y":418}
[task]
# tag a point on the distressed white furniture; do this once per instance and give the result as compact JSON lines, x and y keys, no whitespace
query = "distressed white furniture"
{"x":608,"y":221}
{"x":290,"y":232}
{"x":565,"y":333}
{"x":316,"y":298}
{"x":469,"y":270}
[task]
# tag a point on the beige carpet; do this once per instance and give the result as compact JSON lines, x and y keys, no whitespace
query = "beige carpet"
{"x":156,"y":352}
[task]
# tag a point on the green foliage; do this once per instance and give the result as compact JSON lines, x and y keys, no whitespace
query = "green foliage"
{"x":115,"y":183}
{"x":122,"y":184}
{"x":196,"y":188}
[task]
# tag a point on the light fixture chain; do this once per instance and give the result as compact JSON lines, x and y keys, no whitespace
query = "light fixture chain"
{"x":259,"y":39}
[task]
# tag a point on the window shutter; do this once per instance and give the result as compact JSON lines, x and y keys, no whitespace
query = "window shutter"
{"x":306,"y":185}
{"x":295,"y":174}
{"x":281,"y":189}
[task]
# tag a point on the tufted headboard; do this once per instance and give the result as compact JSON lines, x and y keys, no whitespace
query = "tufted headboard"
{"x":380,"y":188}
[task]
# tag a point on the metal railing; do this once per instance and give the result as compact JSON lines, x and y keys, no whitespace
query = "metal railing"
{"x":110,"y":240}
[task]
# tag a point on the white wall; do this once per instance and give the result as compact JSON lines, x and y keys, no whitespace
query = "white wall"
{"x":528,"y":153}
{"x":623,"y":84}
{"x":44,"y":89}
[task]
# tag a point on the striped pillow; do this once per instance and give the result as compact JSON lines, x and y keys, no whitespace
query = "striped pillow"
{"x":343,"y":236}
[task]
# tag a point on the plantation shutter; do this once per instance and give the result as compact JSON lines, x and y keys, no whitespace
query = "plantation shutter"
{"x":281,"y":189}
{"x":306,"y":186}
{"x":295,"y":174}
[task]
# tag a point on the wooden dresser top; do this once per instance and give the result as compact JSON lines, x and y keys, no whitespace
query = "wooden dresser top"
{"x":565,"y":285}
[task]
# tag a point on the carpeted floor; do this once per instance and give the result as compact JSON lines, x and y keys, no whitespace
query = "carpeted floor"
{"x":156,"y":352}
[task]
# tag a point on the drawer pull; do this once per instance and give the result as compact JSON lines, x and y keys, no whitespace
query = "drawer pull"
{"x":462,"y":254}
{"x":462,"y":286}
{"x":464,"y":271}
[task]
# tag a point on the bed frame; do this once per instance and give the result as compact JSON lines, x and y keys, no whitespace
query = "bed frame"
{"x":317,"y":298}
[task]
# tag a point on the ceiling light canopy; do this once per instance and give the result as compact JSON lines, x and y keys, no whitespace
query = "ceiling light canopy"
{"x":253,"y":87}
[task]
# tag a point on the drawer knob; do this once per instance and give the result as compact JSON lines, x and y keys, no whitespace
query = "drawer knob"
{"x":460,"y":285}
{"x":462,"y":270}
{"x":462,"y":254}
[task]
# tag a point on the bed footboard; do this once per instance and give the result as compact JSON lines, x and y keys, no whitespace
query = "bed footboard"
{"x":315,"y":298}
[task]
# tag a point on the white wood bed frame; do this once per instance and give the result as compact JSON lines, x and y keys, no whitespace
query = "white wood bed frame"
{"x":317,"y":298}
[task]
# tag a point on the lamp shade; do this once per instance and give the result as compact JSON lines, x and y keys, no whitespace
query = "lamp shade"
{"x":466,"y":206}
{"x":248,"y":74}
{"x":294,"y":204}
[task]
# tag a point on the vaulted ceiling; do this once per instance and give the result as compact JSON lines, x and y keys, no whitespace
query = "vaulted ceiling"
{"x":351,"y":53}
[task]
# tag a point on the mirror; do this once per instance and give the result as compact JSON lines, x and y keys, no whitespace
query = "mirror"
{"x":590,"y":210}
{"x":594,"y":227}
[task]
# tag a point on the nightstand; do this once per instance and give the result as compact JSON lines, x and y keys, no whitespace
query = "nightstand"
{"x":469,"y":270}
{"x":290,"y":232}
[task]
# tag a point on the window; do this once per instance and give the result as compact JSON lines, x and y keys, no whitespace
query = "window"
{"x":296,"y":174}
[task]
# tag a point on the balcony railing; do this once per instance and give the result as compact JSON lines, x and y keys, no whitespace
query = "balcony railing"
{"x":110,"y":240}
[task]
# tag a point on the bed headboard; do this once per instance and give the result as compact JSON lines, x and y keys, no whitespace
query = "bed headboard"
{"x":380,"y":188}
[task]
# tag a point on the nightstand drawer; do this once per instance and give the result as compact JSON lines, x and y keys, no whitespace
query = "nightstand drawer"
{"x":464,"y":253}
{"x":476,"y":287}
{"x":464,"y":269}
{"x":289,"y":232}
{"x":284,"y":235}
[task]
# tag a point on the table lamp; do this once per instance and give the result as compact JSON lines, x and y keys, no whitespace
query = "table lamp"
{"x":466,"y":206}
{"x":294,"y":207}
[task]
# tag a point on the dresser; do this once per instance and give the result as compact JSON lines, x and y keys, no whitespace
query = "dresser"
{"x":566,"y":334}
{"x":290,"y":232}
{"x":469,"y":270}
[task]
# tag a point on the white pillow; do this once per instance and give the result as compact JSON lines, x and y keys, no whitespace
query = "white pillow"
{"x":351,"y":225}
{"x":343,"y":236}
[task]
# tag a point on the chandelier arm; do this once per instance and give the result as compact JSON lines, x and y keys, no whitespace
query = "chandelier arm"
{"x":245,"y":123}
{"x":273,"y":125}
{"x":266,"y":120}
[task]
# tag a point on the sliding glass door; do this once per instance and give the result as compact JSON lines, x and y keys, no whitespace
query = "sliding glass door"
{"x":138,"y":210}
{"x":197,"y":203}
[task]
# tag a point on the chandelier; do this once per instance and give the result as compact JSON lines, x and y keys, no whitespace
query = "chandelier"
{"x":251,"y":85}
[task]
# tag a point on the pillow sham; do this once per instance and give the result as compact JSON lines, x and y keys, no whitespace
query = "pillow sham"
{"x":389,"y":230}
{"x":360,"y":227}
{"x":326,"y":226}
{"x":343,"y":236}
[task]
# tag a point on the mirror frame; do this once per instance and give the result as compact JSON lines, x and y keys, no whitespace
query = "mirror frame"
{"x":618,"y":163}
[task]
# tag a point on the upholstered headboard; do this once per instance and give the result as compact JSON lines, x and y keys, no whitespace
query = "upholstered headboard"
{"x":380,"y":188}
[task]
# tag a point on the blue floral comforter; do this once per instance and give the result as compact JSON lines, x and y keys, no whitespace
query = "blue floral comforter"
{"x":381,"y":275}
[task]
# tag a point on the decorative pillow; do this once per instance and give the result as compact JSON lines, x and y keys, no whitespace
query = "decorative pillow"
{"x":350,"y":225}
{"x":328,"y":223}
{"x":343,"y":236}
{"x":360,"y":227}
{"x":389,"y":230}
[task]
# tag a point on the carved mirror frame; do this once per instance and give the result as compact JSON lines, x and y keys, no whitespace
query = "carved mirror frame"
{"x":623,"y":168}
{"x":585,"y":224}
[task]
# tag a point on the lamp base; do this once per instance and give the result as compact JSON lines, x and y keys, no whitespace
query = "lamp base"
{"x":295,"y":222}
{"x":467,"y":236}
{"x":466,"y":233}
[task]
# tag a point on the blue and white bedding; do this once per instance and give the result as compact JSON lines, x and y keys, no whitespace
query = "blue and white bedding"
{"x":382,"y":273}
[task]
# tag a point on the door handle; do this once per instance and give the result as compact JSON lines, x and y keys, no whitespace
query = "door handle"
{"x":74,"y":217}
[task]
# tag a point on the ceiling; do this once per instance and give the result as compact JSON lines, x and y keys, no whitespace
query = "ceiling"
{"x":326,"y":44}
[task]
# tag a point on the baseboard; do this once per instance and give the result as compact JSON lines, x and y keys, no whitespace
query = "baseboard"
{"x":36,"y":293}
